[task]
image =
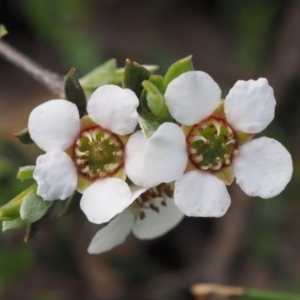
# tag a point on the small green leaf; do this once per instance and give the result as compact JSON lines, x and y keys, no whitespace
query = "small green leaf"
{"x":158,"y":81}
{"x":25,"y":172}
{"x":74,"y":92}
{"x":134,"y":75}
{"x":24,"y":136}
{"x":3,"y":31}
{"x":11,"y":210}
{"x":103,"y":74}
{"x":155,"y":100}
{"x":33,"y":228}
{"x":33,"y":207}
{"x":181,"y":66}
{"x":150,"y":125}
{"x":16,"y":223}
{"x":118,"y":77}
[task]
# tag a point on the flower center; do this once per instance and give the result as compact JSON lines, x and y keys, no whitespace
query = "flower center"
{"x":98,"y":153}
{"x":147,"y":199}
{"x":211,"y":144}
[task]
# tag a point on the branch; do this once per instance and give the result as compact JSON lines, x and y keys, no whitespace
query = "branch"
{"x":51,"y":81}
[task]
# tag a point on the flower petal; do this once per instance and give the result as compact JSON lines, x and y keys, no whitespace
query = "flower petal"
{"x":192,"y":97}
{"x":104,"y":199}
{"x":263,"y":167}
{"x":250,"y":105}
{"x":157,"y":224}
{"x":200,"y":194}
{"x":160,"y":158}
{"x":112,"y":234}
{"x":54,"y":125}
{"x":56,"y":175}
{"x":114,"y":108}
{"x":134,"y":161}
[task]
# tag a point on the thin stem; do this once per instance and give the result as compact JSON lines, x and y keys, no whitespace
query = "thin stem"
{"x":267,"y":295}
{"x":51,"y":81}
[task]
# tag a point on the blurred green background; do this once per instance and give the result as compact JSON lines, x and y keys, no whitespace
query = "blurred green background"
{"x":256,"y":244}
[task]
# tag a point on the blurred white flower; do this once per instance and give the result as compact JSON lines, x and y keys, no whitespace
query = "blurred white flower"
{"x":150,"y":216}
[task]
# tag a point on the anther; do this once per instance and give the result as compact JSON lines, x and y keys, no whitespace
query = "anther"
{"x":197,"y":138}
{"x":79,"y":153}
{"x":232,"y":141}
{"x":217,"y":126}
{"x":218,"y":166}
{"x":198,"y":158}
{"x":88,"y":135}
{"x":86,"y":169}
{"x":235,"y":152}
{"x":204,"y":167}
{"x":79,"y":143}
{"x":142,"y":215}
{"x":227,"y":159}
{"x":163,"y":203}
{"x":193,"y":150}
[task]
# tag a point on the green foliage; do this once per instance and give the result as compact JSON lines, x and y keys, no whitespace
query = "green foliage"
{"x":13,"y":224}
{"x":25,"y":172}
{"x":3,"y":31}
{"x":24,"y":136}
{"x":155,"y":99}
{"x":178,"y":68}
{"x":134,"y":75}
{"x":103,"y":74}
{"x":74,"y":92}
{"x":33,"y":207}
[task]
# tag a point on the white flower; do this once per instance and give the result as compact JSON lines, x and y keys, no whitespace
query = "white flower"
{"x":147,"y":218}
{"x":215,"y":139}
{"x":87,"y":154}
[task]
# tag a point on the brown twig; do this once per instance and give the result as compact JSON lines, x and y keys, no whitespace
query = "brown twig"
{"x":51,"y":81}
{"x":200,"y":291}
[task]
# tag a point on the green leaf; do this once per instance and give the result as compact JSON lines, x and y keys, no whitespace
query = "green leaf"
{"x":71,"y":205}
{"x":103,"y":74}
{"x":33,"y":207}
{"x":118,"y":77}
{"x":74,"y":92}
{"x":134,"y":75}
{"x":13,"y":224}
{"x":150,"y":125}
{"x":24,"y":136}
{"x":33,"y":228}
{"x":181,"y":66}
{"x":155,"y":100}
{"x":3,"y":31}
{"x":11,"y":210}
{"x":25,"y":172}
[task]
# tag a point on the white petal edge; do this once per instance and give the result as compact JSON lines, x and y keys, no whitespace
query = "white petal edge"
{"x":250,"y":105}
{"x":104,"y":199}
{"x":263,"y":167}
{"x":114,"y":108}
{"x":192,"y":97}
{"x":165,"y":153}
{"x":54,"y":124}
{"x":56,"y":175}
{"x":157,"y":224}
{"x":113,"y":234}
{"x":200,"y":194}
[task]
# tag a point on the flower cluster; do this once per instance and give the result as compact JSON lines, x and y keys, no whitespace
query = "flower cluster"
{"x":146,"y":154}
